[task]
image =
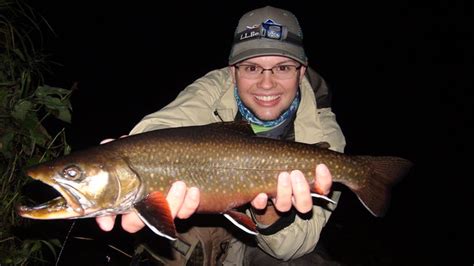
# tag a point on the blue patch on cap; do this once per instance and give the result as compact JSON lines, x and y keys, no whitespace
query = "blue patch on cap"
{"x":271,"y":22}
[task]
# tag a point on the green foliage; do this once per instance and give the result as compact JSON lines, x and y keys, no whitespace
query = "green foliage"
{"x":28,"y":110}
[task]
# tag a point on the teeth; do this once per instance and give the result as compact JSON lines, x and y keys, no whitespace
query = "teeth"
{"x":267,"y":98}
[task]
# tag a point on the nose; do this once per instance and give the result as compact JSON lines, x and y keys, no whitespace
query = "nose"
{"x":266,"y":80}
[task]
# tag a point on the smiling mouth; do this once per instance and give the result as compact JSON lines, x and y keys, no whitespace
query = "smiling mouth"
{"x":267,"y":98}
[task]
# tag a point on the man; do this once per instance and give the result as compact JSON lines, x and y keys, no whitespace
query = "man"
{"x":268,"y":83}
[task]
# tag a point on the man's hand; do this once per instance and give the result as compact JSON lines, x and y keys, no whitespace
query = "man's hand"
{"x":292,"y":190}
{"x":183,"y":203}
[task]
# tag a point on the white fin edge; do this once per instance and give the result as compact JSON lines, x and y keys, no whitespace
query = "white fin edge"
{"x":323,"y":197}
{"x":243,"y":228}
{"x":154,"y":229}
{"x":367,"y":207}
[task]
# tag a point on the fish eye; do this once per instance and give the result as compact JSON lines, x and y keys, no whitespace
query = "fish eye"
{"x":72,"y":172}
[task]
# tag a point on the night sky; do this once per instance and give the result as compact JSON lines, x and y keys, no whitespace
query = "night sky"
{"x":398,"y":71}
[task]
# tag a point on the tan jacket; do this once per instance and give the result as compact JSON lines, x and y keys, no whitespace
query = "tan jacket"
{"x":211,"y":99}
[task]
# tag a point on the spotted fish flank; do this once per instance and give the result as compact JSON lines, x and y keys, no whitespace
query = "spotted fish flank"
{"x":228,"y":164}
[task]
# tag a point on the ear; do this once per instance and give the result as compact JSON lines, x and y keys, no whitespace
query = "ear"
{"x":232,"y":73}
{"x":302,"y":72}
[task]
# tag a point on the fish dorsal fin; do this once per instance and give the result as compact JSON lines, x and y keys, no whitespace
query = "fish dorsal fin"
{"x":323,"y":145}
{"x":155,"y":212}
{"x":241,"y":127}
{"x":242,"y":221}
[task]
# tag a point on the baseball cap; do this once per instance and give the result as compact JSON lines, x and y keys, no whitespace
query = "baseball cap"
{"x":268,"y":31}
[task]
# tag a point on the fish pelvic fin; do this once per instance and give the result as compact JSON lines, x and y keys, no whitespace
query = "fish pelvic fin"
{"x":242,"y":221}
{"x":155,"y":212}
{"x":386,"y":171}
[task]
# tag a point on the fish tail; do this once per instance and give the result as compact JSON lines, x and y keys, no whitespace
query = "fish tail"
{"x":386,"y":171}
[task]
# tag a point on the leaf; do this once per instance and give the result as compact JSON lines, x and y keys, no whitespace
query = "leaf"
{"x":46,"y":90}
{"x":67,"y":148}
{"x":63,"y":114}
{"x":19,"y":53}
{"x":38,"y":137}
{"x":35,"y":159}
{"x":21,"y":109}
{"x":5,"y":143}
{"x":51,"y":102}
{"x":3,"y":98}
{"x":51,"y":245}
{"x":36,"y":132}
{"x":56,"y":101}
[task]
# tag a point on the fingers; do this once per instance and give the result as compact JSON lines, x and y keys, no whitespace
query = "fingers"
{"x":106,"y":140}
{"x":176,"y":196}
{"x":283,"y":199}
{"x":323,"y":180}
{"x":106,"y":223}
{"x":294,"y":190}
{"x":260,"y":202}
{"x":109,"y":140}
{"x":302,"y":199}
{"x":183,"y":202}
{"x":190,"y":204}
{"x":131,"y":222}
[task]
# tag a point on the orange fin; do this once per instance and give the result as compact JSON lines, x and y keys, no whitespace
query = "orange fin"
{"x":155,"y":212}
{"x":242,"y":221}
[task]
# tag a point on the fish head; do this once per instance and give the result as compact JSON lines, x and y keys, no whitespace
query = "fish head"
{"x":88,"y":185}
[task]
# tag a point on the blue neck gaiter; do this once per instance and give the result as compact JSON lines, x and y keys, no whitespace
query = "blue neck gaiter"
{"x":249,"y":116}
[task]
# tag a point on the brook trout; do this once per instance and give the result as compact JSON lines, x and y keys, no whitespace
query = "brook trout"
{"x":226,"y":161}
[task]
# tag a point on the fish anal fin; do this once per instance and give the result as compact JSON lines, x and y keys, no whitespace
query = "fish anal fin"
{"x":155,"y":212}
{"x":242,"y":221}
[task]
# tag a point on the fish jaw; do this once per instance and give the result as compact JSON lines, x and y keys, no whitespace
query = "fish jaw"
{"x":68,"y":205}
{"x":57,"y":208}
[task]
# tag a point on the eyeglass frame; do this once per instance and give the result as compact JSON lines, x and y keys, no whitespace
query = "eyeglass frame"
{"x":297,"y":68}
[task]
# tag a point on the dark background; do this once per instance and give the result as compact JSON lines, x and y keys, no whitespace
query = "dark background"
{"x":399,"y":71}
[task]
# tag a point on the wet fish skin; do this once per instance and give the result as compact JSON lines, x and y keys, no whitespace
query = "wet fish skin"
{"x":228,"y":164}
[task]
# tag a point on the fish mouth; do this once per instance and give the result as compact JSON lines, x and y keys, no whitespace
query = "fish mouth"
{"x":70,"y":204}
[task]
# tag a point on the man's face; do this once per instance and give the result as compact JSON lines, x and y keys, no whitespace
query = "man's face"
{"x":265,"y":95}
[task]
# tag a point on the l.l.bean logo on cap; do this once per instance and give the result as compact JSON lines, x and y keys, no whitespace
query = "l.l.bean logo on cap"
{"x":252,"y":27}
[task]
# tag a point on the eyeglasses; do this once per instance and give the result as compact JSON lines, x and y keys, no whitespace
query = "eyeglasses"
{"x":279,"y":71}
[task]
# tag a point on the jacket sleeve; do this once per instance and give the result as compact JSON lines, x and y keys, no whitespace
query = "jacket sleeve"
{"x":193,"y":105}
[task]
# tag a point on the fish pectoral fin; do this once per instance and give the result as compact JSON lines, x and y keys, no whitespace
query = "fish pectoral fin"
{"x":155,"y":212}
{"x":242,"y":221}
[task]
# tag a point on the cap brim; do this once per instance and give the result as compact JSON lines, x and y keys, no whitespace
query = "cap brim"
{"x":251,"y":53}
